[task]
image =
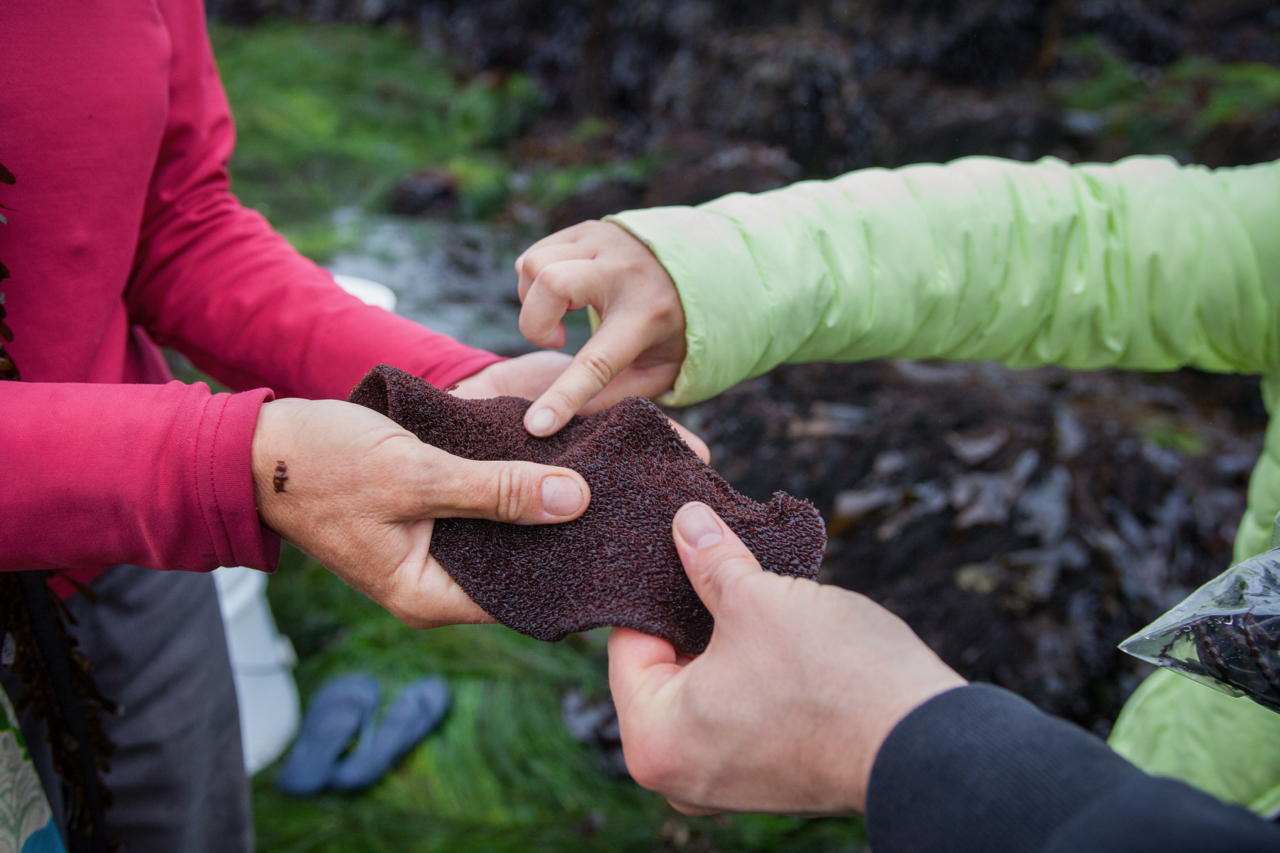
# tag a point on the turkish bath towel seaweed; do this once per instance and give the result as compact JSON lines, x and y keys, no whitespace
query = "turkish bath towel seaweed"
{"x":615,"y":565}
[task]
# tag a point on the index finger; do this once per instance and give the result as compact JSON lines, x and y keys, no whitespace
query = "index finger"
{"x":561,"y":237}
{"x":608,"y":352}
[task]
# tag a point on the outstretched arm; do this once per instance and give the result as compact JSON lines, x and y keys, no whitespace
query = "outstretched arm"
{"x":814,"y":700}
{"x":1142,"y":264}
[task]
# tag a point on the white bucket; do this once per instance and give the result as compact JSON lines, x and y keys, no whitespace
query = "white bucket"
{"x":368,"y":292}
{"x":262,"y":659}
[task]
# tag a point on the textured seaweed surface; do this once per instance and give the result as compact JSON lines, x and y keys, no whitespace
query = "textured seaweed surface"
{"x":616,"y":565}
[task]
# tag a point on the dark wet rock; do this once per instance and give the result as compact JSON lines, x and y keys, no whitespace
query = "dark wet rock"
{"x":1140,"y":33}
{"x":699,"y":167}
{"x":595,"y":724}
{"x":425,"y":194}
{"x":794,"y":87}
{"x":1242,"y":142}
{"x":596,"y":200}
{"x":991,"y":43}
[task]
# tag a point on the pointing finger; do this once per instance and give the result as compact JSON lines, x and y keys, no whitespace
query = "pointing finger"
{"x":609,"y":351}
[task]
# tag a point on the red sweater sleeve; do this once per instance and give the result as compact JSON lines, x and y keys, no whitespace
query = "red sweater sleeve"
{"x":153,"y":475}
{"x":214,"y":281}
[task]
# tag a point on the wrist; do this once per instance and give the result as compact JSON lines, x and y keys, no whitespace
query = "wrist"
{"x":269,"y":459}
{"x":892,"y":714}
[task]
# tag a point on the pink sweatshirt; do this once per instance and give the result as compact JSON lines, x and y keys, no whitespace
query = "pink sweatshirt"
{"x":123,"y":234}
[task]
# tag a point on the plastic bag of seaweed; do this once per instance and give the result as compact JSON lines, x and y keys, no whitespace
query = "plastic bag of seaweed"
{"x":1226,"y":634}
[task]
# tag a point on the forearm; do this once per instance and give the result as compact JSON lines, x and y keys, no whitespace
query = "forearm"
{"x":235,"y":298}
{"x":153,"y":475}
{"x":979,"y":769}
{"x":1140,"y":265}
{"x":213,"y":280}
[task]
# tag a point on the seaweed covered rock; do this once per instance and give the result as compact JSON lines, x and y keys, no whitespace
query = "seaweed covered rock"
{"x":616,"y":564}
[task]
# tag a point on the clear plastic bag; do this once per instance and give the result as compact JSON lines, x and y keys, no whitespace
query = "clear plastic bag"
{"x":1226,"y":634}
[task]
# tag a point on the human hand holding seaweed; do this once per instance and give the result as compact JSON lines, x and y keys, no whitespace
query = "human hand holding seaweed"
{"x":787,"y":708}
{"x":361,"y":495}
{"x":640,"y":345}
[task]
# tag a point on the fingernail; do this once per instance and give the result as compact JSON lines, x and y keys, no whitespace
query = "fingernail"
{"x":542,"y":421}
{"x":561,"y":495}
{"x":699,"y":526}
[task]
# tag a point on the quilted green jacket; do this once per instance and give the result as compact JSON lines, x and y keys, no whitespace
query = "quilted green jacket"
{"x":1143,"y":265}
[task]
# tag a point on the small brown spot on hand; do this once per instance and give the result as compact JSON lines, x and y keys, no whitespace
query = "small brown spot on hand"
{"x":280,"y":477}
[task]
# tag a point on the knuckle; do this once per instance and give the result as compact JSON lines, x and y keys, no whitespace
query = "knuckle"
{"x":533,"y":263}
{"x":735,"y":593}
{"x":666,"y":311}
{"x":649,"y":768}
{"x":598,"y":365}
{"x":512,"y":493}
{"x":555,"y":279}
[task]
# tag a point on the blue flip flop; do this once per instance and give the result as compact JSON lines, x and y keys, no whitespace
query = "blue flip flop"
{"x":415,"y":713}
{"x":341,"y":707}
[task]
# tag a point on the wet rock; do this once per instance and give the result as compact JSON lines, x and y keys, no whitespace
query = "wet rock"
{"x":700,"y":167}
{"x":595,"y":724}
{"x":1136,"y":30}
{"x":853,"y":505}
{"x":973,"y":449}
{"x":987,"y":498}
{"x":1069,"y":436}
{"x":596,"y":200}
{"x":924,"y":499}
{"x":792,"y":87}
{"x":425,"y":194}
{"x":991,"y":43}
{"x":1044,"y":509}
{"x":827,"y":420}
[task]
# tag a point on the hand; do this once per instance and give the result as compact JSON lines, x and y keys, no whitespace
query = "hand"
{"x":361,"y":496}
{"x":526,"y":376}
{"x":640,"y":345}
{"x":788,"y":706}
{"x":530,"y":375}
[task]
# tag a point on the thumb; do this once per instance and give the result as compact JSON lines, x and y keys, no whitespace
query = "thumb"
{"x":508,"y":491}
{"x":713,"y":555}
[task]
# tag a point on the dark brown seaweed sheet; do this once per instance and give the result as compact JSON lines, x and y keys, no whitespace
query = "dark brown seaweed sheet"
{"x":617,"y":564}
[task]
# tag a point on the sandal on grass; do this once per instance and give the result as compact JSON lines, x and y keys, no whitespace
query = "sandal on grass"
{"x":412,"y":716}
{"x":342,"y":707}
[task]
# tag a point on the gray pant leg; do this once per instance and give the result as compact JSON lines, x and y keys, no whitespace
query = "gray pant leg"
{"x":157,"y":646}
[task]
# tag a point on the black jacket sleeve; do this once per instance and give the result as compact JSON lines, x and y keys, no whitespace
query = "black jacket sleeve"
{"x":980,"y":770}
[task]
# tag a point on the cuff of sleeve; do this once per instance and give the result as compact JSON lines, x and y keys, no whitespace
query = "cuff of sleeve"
{"x":224,"y":481}
{"x":980,"y":769}
{"x":721,"y":291}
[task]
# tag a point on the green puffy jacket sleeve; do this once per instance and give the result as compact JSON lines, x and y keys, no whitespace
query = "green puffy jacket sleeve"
{"x":1142,"y":264}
